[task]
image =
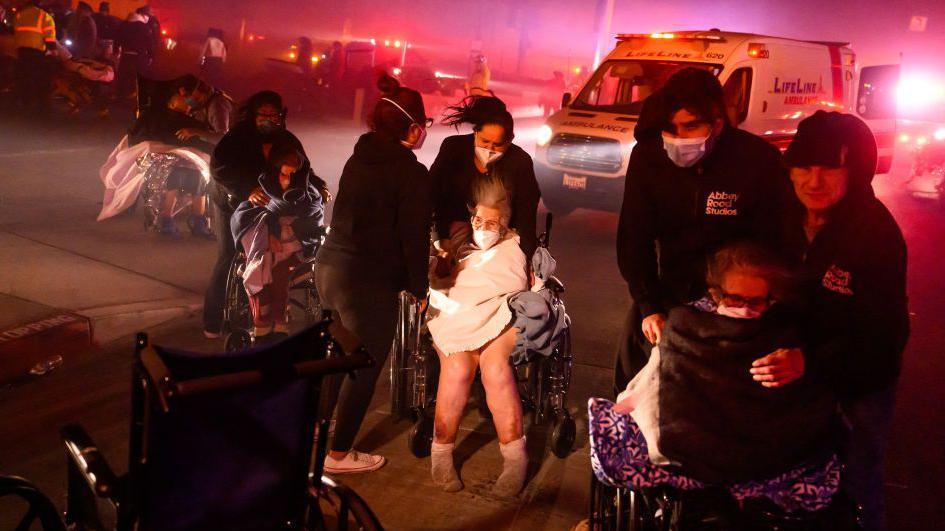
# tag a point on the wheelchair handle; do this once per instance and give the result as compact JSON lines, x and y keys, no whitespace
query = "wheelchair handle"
{"x":307,"y":369}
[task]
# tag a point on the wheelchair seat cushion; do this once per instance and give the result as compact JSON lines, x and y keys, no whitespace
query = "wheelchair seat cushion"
{"x":619,"y":458}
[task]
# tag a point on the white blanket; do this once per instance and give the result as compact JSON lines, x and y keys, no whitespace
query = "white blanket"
{"x":474,"y":309}
{"x":123,"y":179}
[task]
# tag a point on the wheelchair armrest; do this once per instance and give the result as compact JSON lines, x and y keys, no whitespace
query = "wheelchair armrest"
{"x":89,"y":462}
{"x":555,"y":285}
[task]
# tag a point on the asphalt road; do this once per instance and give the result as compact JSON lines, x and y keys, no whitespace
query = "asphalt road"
{"x":50,"y":194}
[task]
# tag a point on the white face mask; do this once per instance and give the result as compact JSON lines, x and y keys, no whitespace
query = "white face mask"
{"x":738,"y":313}
{"x":485,"y":239}
{"x":686,"y":152}
{"x":486,"y":156}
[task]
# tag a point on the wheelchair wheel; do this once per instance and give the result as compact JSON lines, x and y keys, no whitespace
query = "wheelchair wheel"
{"x":420,"y":436}
{"x":562,"y":438}
{"x":237,"y":340}
{"x":38,"y":506}
{"x":338,"y":507}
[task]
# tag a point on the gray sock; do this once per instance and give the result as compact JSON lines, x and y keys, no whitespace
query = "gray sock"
{"x":514,"y":468}
{"x":442,"y":469}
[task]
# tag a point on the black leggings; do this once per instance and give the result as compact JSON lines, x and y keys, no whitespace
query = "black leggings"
{"x":369,"y":311}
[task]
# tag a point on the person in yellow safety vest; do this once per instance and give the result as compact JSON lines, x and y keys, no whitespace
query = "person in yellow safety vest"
{"x":34,"y":33}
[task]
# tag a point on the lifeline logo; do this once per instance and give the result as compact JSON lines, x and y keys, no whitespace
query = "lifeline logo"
{"x":721,"y":204}
{"x":838,"y":280}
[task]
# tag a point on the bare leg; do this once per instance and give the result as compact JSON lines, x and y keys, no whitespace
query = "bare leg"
{"x":200,"y":205}
{"x":498,"y":378}
{"x":170,"y":200}
{"x":457,"y":372}
{"x":456,"y":376}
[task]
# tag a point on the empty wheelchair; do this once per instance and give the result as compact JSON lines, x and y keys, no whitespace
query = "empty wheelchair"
{"x":543,"y":380}
{"x":231,"y":441}
{"x":237,"y":317}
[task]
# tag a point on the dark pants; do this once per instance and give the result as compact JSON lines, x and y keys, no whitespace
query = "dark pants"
{"x":869,"y":418}
{"x":633,"y":350}
{"x":33,"y":79}
{"x":130,"y":66}
{"x":211,"y":71}
{"x":369,"y":311}
{"x":215,"y":297}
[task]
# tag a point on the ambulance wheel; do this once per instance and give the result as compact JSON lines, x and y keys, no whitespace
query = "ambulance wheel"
{"x":562,"y":438}
{"x":420,"y":437}
{"x":558,"y":205}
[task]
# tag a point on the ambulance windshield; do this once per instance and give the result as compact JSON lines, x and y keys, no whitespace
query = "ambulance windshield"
{"x":620,"y":86}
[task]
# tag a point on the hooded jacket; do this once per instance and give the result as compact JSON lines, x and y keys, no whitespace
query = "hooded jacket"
{"x":380,"y":227}
{"x":238,"y":161}
{"x":854,"y":270}
{"x":672,"y":218}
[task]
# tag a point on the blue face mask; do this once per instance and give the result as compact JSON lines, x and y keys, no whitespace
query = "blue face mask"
{"x":686,"y":152}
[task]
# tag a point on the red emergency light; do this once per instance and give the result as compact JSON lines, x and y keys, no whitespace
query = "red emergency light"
{"x":758,"y":50}
{"x":684,"y":36}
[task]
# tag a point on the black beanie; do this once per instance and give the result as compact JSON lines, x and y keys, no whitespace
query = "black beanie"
{"x":834,"y":139}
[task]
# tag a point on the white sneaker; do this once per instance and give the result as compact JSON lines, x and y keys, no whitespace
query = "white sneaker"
{"x":353,"y":463}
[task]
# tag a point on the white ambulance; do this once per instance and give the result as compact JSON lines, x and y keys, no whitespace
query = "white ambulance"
{"x":770,"y":84}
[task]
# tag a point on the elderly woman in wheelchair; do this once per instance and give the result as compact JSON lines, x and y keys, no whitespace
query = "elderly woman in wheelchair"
{"x":471,"y":326}
{"x":277,"y":238}
{"x":696,"y":417}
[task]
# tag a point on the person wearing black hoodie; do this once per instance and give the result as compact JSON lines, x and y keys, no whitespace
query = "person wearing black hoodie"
{"x":694,"y":184}
{"x":238,"y":160}
{"x":378,"y":246}
{"x":852,"y":261}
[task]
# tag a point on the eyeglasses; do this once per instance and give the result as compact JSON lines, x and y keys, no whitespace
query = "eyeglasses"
{"x":274,"y":116}
{"x":737,"y":301}
{"x":428,"y":123}
{"x":488,"y":224}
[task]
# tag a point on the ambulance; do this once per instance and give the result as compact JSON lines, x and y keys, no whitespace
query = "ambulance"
{"x":770,"y":84}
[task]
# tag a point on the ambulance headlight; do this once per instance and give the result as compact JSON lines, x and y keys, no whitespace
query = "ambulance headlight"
{"x":68,"y":42}
{"x":939,"y":134}
{"x":544,"y":135}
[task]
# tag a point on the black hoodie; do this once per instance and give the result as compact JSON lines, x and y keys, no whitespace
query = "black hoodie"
{"x":672,"y":218}
{"x":854,"y":270}
{"x":380,"y":227}
{"x":238,"y":161}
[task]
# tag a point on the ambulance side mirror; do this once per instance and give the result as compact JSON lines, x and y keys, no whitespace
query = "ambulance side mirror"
{"x":876,"y":92}
{"x":565,"y":99}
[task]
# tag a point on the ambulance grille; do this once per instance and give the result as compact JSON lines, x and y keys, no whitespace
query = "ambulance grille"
{"x":589,"y":153}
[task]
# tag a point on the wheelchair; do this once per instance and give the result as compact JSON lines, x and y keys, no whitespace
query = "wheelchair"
{"x":713,"y":509}
{"x":218,"y":441}
{"x":157,"y":168}
{"x":628,"y":494}
{"x":414,"y":373}
{"x":237,"y":317}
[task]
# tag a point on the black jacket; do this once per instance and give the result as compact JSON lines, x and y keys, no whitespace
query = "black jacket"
{"x":136,"y":37}
{"x":238,"y":161}
{"x":719,"y":423}
{"x":380,"y":227}
{"x":672,"y":217}
{"x":454,"y":171}
{"x":854,"y":279}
